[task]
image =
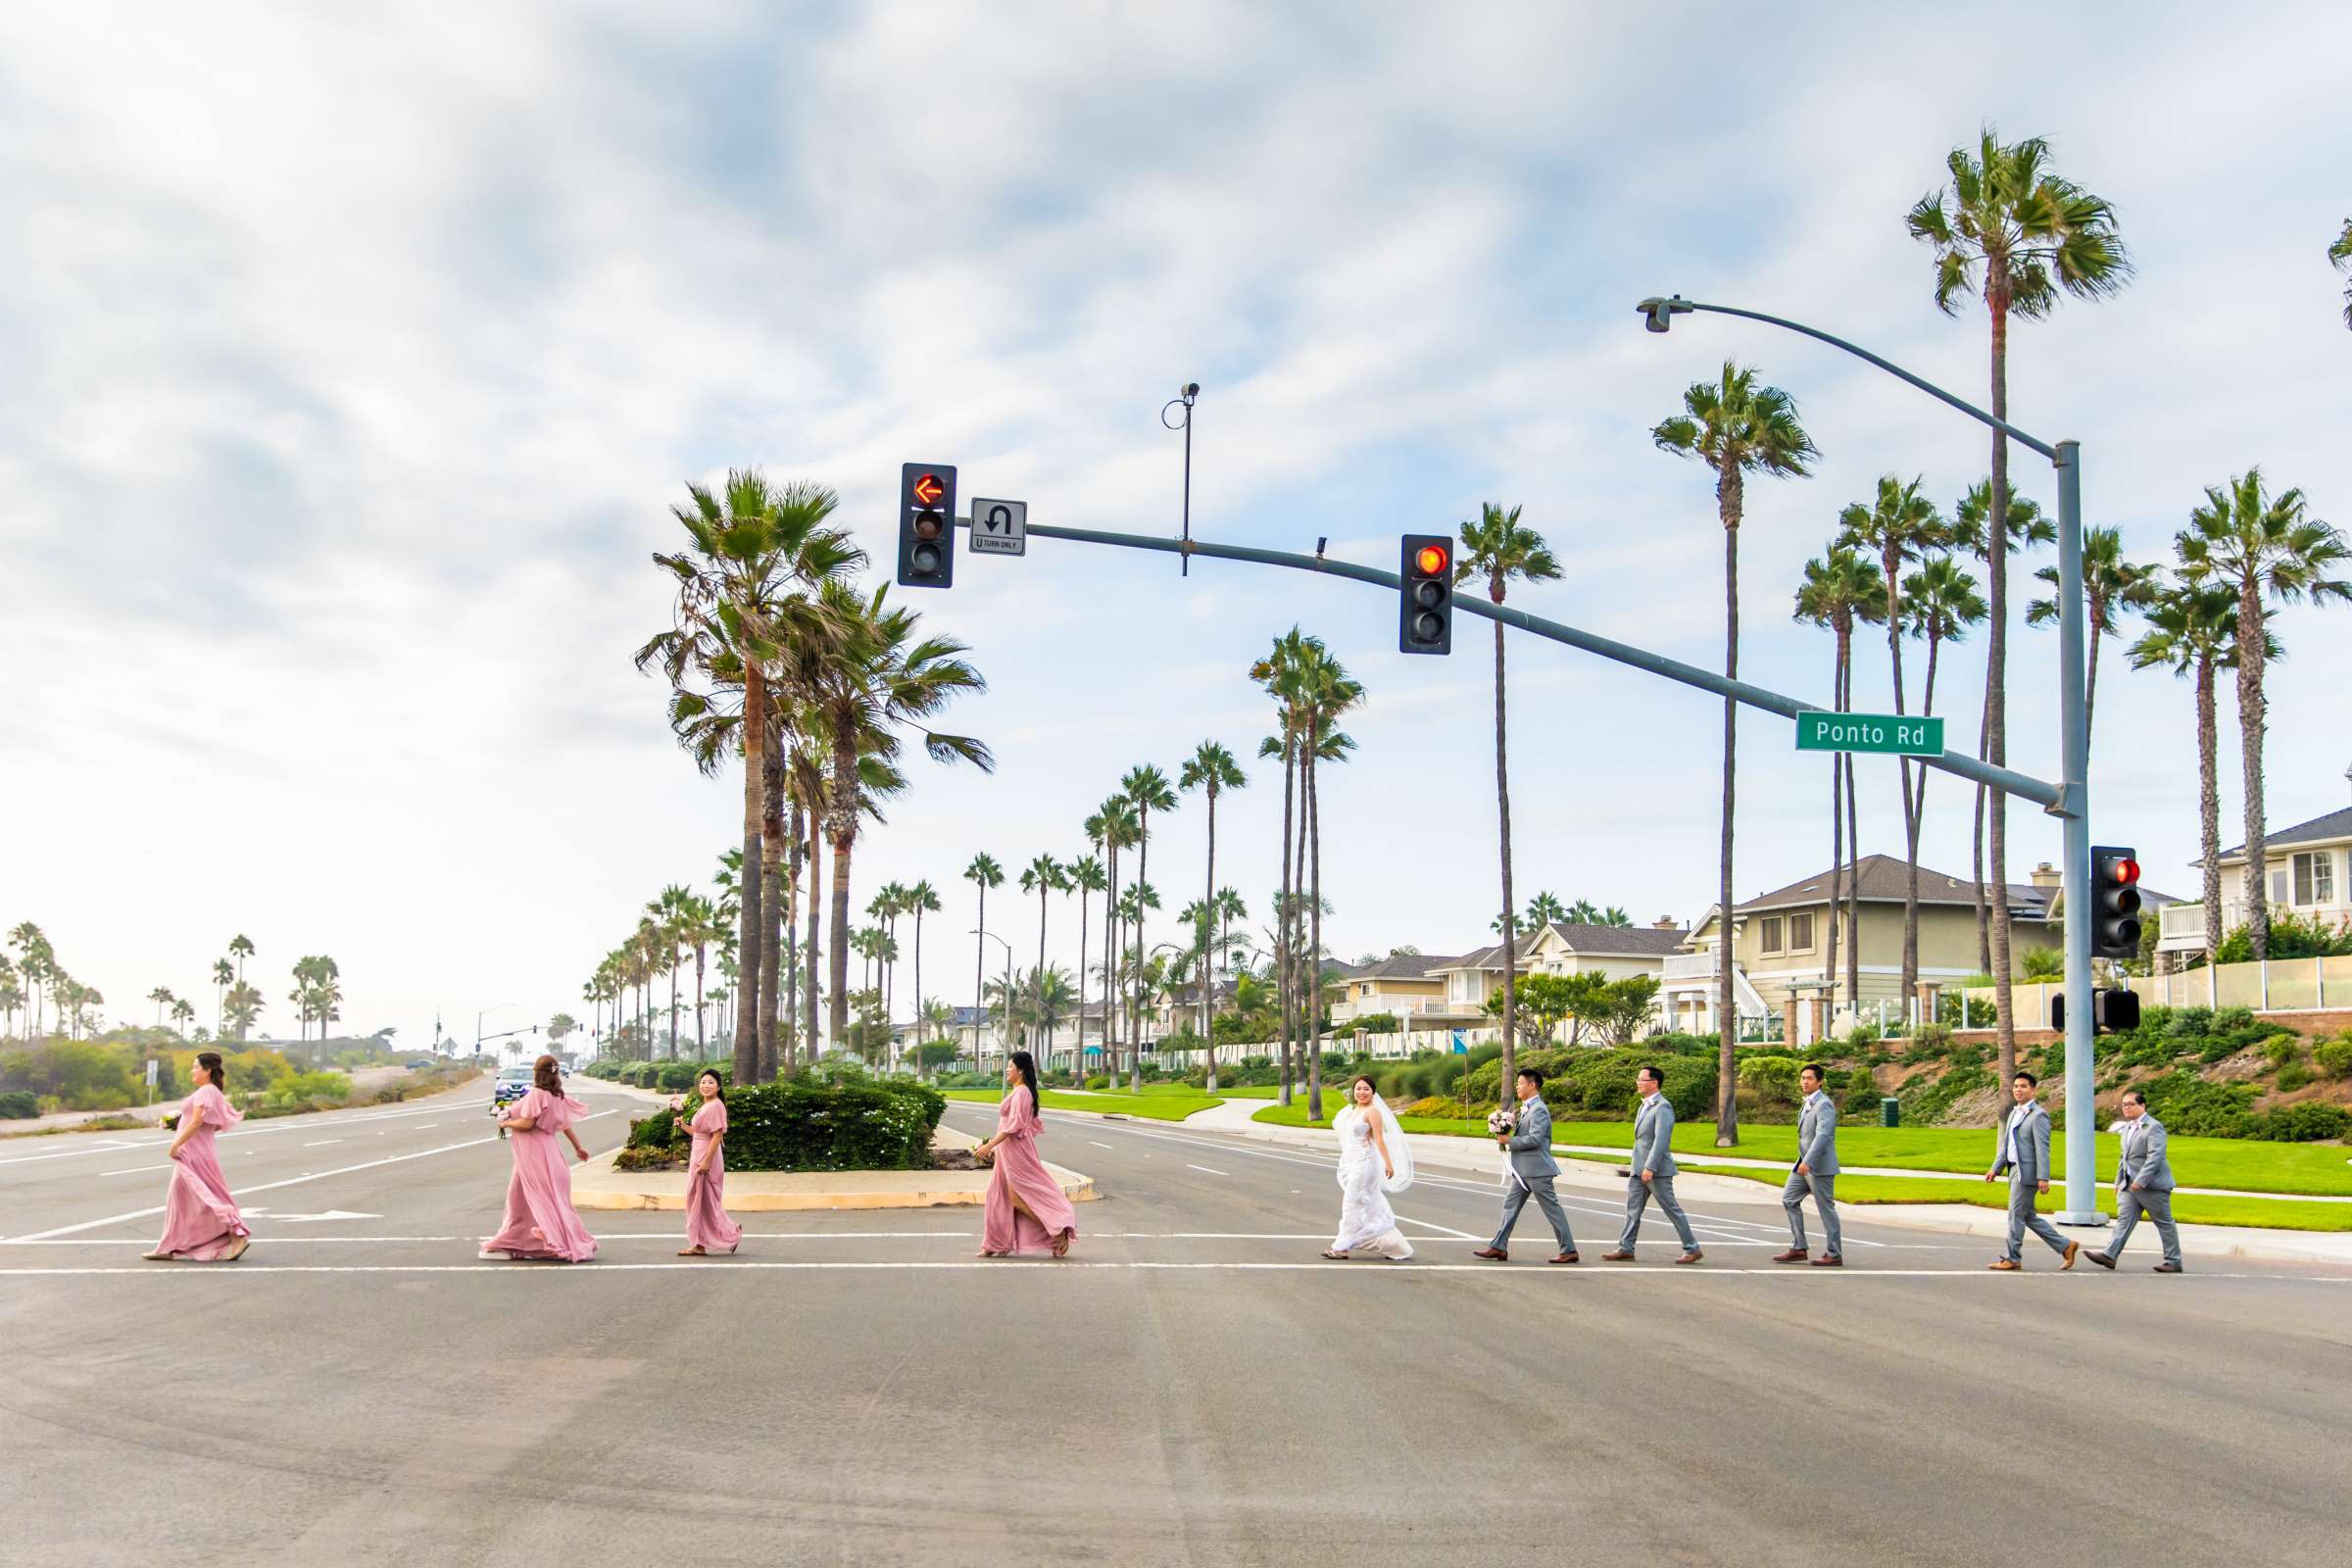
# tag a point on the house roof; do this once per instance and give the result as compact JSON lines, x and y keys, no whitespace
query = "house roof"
{"x":1619,"y":940}
{"x":2318,"y":830}
{"x":1399,"y":966}
{"x":1881,"y":879}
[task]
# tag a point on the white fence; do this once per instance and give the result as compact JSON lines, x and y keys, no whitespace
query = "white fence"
{"x":2274,"y":985}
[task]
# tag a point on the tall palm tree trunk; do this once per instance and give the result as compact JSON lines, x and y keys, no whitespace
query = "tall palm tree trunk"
{"x":1909,"y":985}
{"x":1997,"y":687}
{"x":1314,"y":942}
{"x":2209,"y":807}
{"x":810,"y":957}
{"x":1209,"y":913}
{"x":701,"y":1044}
{"x":842,"y":802}
{"x":1110,"y":969}
{"x":1282,"y":913}
{"x":1984,"y":907}
{"x":1078,"y":1050}
{"x":771,"y":898}
{"x":918,"y":975}
{"x":1727,"y":1109}
{"x":979,"y":976}
{"x":788,"y":1034}
{"x":1837,"y":699}
{"x":2252,"y":716}
{"x":1511,"y":928}
{"x":754,"y":783}
{"x":1143,"y":879}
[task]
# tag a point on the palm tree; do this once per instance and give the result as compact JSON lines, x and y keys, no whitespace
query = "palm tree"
{"x":242,"y":1007}
{"x":1839,"y":590}
{"x":183,"y":1013}
{"x":1545,"y":908}
{"x":2021,"y":238}
{"x":918,"y":900}
{"x":747,"y":587}
{"x":983,"y":873}
{"x":1277,"y":673}
{"x":1085,"y":877}
{"x":2025,"y":528}
{"x":2265,"y":548}
{"x":1148,"y":788}
{"x":1042,"y":876}
{"x":1331,"y":693}
{"x":2110,"y":584}
{"x":1050,"y":998}
{"x":1901,"y":526}
{"x":2193,"y":630}
{"x":37,"y":964}
{"x":1115,"y":825}
{"x":1499,"y":547}
{"x":223,"y":978}
{"x":162,"y":998}
{"x":240,"y":947}
{"x":882,"y":678}
{"x":1134,"y":973}
{"x":1734,"y":427}
{"x":2339,"y":255}
{"x":1940,"y":603}
{"x":671,"y":910}
{"x":12,"y":997}
{"x":1212,"y":771}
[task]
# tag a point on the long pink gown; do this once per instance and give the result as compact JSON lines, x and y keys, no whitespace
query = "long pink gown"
{"x":200,"y":1219}
{"x":707,"y":1222}
{"x":540,"y":1219}
{"x":1018,"y":1169}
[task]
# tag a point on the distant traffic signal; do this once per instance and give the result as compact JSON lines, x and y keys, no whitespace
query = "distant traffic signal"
{"x":926,"y":525}
{"x":2114,"y":903}
{"x":1424,"y":595}
{"x":2113,"y":1012}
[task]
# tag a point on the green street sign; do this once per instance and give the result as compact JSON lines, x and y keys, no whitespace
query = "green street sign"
{"x":1890,"y":733}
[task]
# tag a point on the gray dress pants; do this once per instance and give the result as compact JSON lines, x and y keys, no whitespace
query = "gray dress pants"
{"x":1637,"y":1194}
{"x":1825,"y":1200}
{"x":2158,"y":1206}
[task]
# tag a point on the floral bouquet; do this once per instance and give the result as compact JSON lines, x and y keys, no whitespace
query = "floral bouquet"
{"x":171,"y":1121}
{"x":1501,"y":1121}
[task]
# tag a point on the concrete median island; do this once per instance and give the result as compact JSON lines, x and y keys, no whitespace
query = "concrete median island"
{"x":597,"y":1184}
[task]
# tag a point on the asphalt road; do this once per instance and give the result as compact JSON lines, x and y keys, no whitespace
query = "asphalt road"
{"x":1193,"y":1385}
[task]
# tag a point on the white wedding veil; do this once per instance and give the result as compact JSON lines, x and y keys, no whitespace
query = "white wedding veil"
{"x":1401,"y":1152}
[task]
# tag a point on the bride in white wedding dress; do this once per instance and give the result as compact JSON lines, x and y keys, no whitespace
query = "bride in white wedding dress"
{"x":1374,"y":1162}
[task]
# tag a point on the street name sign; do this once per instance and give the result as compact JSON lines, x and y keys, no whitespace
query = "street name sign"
{"x":1890,"y":733}
{"x":1000,"y":527}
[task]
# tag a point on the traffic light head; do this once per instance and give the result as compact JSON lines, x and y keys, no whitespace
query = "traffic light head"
{"x":926,"y":525}
{"x":2114,"y":902}
{"x":1424,"y":595}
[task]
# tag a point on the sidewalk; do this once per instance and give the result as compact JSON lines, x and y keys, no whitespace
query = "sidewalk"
{"x":1478,"y":1156}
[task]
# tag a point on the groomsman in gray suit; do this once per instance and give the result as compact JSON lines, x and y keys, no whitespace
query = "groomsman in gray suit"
{"x":2143,"y":1185}
{"x":2024,"y":1155}
{"x":1816,"y":1172}
{"x":1652,"y":1169}
{"x":1531,"y":1173}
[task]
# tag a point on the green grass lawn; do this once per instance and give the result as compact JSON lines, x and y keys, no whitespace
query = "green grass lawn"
{"x":2243,"y":1164}
{"x":2270,"y":1213}
{"x":1256,"y":1092}
{"x":1156,"y":1107}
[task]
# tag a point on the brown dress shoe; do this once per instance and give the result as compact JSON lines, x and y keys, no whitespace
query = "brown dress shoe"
{"x":2166,"y":1268}
{"x":2073,"y":1250}
{"x":1795,"y":1255}
{"x":1828,"y":1261}
{"x":1566,"y":1257}
{"x":1690,"y":1256}
{"x":1496,"y":1254}
{"x":1621,"y":1256}
{"x":2005,"y":1265}
{"x":2100,"y":1258}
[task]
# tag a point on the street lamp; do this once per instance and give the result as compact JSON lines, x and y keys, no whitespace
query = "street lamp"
{"x":2072,"y":806}
{"x":1003,"y":1034}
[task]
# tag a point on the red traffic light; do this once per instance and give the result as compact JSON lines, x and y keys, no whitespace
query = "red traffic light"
{"x":2124,"y":870}
{"x":1430,"y":560}
{"x":928,"y":489}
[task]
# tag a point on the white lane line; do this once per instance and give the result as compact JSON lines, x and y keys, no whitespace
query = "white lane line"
{"x":132,"y":1170}
{"x":1098,"y":1146}
{"x":277,"y":1239}
{"x":290,"y":1180}
{"x":998,"y":1266}
{"x":1204,"y":1168}
{"x":324,"y":1141}
{"x":275,"y":1125}
{"x":1406,"y":1219}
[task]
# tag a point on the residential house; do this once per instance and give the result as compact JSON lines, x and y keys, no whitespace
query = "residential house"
{"x":1780,"y":948}
{"x":1559,"y":948}
{"x":1407,"y":984}
{"x":2309,"y":869}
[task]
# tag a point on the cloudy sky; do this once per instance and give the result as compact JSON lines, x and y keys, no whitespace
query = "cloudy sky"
{"x":350,"y":362}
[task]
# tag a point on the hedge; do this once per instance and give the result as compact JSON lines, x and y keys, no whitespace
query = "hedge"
{"x":15,"y":1102}
{"x":796,"y":1124}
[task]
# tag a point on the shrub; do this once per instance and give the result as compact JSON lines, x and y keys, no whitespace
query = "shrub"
{"x":798,"y":1124}
{"x":2283,"y":1052}
{"x":1380,"y":1023}
{"x":2229,"y":1018}
{"x":2309,"y":1122}
{"x":332,"y":1088}
{"x":1930,"y":1040}
{"x":1434,"y":1105}
{"x":2334,"y":1056}
{"x":1862,"y":1095}
{"x":2192,"y":1108}
{"x":1773,"y":1078}
{"x":2293,"y":1076}
{"x":16,"y":1103}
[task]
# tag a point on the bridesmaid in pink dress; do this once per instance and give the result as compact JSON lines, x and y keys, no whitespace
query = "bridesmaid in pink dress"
{"x":541,"y":1222}
{"x":200,"y":1224}
{"x":1027,"y":1211}
{"x":707,"y":1224}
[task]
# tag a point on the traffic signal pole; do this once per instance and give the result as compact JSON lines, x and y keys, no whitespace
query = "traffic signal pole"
{"x":2082,"y":1111}
{"x":2023,"y":785}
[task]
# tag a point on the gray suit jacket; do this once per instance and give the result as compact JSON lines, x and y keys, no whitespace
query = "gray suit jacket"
{"x":1817,"y":1133}
{"x":1531,"y":1141}
{"x":1653,"y":1138}
{"x":2143,"y":1163}
{"x":2033,"y":1147}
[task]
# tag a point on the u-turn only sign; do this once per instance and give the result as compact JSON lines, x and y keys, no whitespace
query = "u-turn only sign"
{"x":1000,"y":527}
